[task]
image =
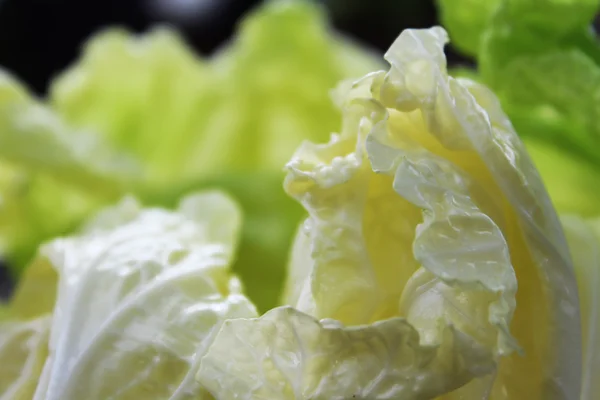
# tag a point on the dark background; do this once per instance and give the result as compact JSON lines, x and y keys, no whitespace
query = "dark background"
{"x":39,"y":38}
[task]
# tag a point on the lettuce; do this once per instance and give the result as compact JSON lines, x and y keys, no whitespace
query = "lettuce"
{"x":231,"y":121}
{"x":228,"y":121}
{"x":466,"y":21}
{"x":138,"y":294}
{"x":181,"y":115}
{"x":431,"y":265}
{"x":542,"y":59}
{"x":425,"y":214}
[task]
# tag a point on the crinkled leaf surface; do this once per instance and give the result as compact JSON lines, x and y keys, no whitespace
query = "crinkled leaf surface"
{"x":286,"y":354}
{"x":427,"y":208}
{"x":141,"y":294}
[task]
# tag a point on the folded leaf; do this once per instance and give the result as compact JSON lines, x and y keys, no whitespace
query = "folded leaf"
{"x":302,"y":358}
{"x":427,"y":207}
{"x":141,"y":294}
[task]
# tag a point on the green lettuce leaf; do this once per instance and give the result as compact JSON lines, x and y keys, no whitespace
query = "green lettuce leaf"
{"x":51,"y":176}
{"x":553,"y":97}
{"x":553,"y":102}
{"x":466,"y":20}
{"x":571,"y":179}
{"x":229,"y":121}
{"x":499,"y":30}
{"x":246,"y":108}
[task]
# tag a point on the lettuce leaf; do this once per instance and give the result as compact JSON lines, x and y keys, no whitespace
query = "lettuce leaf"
{"x":23,"y":349}
{"x":466,"y":20}
{"x":302,"y":358}
{"x":500,"y":30}
{"x":140,"y":295}
{"x":51,"y":176}
{"x":542,"y":58}
{"x":571,"y":179}
{"x":265,"y":92}
{"x":425,"y":213}
{"x":229,"y":121}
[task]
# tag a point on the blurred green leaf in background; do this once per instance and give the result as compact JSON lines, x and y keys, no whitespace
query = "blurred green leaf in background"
{"x":143,"y":115}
